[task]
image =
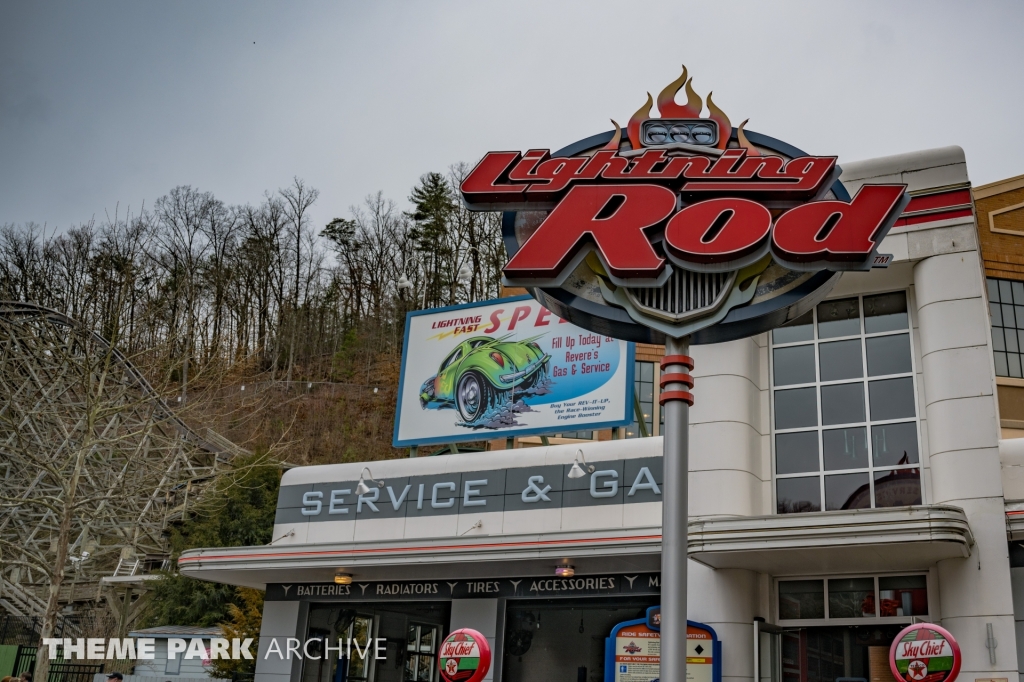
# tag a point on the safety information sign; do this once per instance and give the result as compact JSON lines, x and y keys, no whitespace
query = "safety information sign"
{"x":637,"y":654}
{"x":633,"y":651}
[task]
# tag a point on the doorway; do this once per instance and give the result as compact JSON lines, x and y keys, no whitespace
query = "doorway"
{"x":562,"y":640}
{"x":412,"y":632}
{"x":854,"y":653}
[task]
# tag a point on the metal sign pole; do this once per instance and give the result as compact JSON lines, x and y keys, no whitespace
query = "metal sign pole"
{"x":676,"y":401}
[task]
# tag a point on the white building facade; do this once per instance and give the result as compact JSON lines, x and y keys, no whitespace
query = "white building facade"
{"x":846,"y":480}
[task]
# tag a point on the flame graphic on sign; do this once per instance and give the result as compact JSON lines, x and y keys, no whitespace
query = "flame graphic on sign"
{"x":724,"y":126}
{"x":744,"y":143}
{"x":641,"y":115}
{"x":613,"y":144}
{"x":669,"y":108}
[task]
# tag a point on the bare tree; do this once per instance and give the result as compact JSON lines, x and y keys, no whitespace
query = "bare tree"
{"x":480,"y":234}
{"x":183,"y":214}
{"x":298,"y":199}
{"x":220,"y":228}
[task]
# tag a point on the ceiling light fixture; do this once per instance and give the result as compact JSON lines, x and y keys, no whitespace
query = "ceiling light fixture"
{"x":342,"y":578}
{"x":565,"y":571}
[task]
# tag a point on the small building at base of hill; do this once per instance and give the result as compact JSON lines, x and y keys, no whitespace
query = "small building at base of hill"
{"x":179,"y":668}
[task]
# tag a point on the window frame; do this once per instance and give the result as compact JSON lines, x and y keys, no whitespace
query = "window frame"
{"x":653,"y":424}
{"x":419,"y":653}
{"x":865,"y":380}
{"x":1018,"y":327}
{"x":866,"y":620}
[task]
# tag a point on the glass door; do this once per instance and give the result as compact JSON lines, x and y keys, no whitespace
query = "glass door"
{"x":823,"y":654}
{"x":421,"y":653}
{"x":768,"y":660}
{"x":361,"y":631}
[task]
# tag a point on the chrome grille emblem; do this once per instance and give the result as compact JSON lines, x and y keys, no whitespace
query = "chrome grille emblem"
{"x":686,"y":294}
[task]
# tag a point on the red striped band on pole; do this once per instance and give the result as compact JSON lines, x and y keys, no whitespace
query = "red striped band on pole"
{"x":677,"y":360}
{"x":673,"y":376}
{"x":676,"y":379}
{"x":667,"y":396}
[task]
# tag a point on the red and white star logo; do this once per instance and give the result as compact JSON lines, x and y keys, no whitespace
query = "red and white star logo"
{"x":917,"y":670}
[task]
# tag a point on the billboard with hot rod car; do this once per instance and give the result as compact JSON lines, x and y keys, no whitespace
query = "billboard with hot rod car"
{"x":507,"y":367}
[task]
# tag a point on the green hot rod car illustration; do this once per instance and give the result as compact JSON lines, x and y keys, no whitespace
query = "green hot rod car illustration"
{"x":481,"y":373}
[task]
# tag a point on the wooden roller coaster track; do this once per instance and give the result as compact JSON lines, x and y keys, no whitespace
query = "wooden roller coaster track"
{"x":85,"y":440}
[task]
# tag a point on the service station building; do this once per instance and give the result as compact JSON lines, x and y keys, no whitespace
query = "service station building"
{"x":847,"y":478}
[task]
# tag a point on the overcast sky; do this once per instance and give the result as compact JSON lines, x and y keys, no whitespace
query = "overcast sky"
{"x":117,"y":102}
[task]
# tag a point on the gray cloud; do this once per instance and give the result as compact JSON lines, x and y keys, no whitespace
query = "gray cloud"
{"x":110,"y":102}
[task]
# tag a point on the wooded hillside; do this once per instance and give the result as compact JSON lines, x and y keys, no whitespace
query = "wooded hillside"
{"x":222,"y":302}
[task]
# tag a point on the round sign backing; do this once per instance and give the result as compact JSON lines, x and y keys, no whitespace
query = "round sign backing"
{"x":465,"y":656}
{"x":924,"y":653}
{"x":781,"y":295}
{"x":680,"y":225}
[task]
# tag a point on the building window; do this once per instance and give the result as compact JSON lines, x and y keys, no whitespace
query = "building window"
{"x":845,"y":427}
{"x":421,"y":653}
{"x":894,"y":596}
{"x":1006,"y":306}
{"x":579,"y":435}
{"x":643,"y":384}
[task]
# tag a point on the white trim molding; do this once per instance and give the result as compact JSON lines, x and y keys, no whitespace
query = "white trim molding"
{"x":859,"y":540}
{"x":624,"y":549}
